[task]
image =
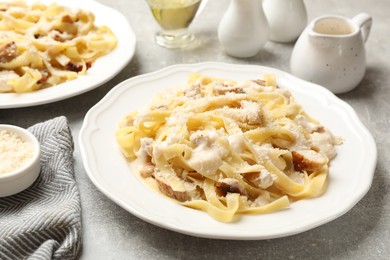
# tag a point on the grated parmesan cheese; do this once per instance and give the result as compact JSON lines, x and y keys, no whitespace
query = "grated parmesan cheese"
{"x":14,"y":151}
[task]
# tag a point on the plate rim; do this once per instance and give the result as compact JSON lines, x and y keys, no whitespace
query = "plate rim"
{"x":326,"y":95}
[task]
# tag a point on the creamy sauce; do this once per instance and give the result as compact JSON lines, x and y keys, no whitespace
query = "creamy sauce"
{"x":207,"y":156}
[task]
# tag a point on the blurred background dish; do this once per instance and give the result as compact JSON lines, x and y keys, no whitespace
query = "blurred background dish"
{"x":103,"y":69}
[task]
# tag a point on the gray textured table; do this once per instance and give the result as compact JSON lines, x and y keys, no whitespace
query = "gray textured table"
{"x":112,"y":233}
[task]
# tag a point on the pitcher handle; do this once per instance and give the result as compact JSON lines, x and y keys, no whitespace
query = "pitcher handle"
{"x":364,"y":21}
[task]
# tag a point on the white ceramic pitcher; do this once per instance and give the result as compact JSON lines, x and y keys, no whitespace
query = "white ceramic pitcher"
{"x":243,"y":29}
{"x":331,"y":52}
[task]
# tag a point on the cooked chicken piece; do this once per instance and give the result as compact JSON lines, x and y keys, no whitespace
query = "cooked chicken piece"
{"x":8,"y":52}
{"x":147,"y":145}
{"x":229,"y":185}
{"x":195,"y":175}
{"x":45,"y":75}
{"x":190,"y":190}
{"x":193,"y":92}
{"x":159,"y":107}
{"x":324,"y":141}
{"x":58,"y":36}
{"x":259,"y":82}
{"x":203,"y":137}
{"x":307,"y":125}
{"x":67,"y":24}
{"x":223,"y":89}
{"x":147,"y":170}
{"x":75,"y":67}
{"x":67,"y":19}
{"x":308,"y":160}
{"x":262,"y":179}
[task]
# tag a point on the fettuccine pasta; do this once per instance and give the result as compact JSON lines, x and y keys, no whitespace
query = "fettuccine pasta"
{"x":229,"y":148}
{"x":42,"y":46}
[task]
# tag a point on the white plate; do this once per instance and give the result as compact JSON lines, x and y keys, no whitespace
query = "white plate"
{"x":103,"y":69}
{"x":351,"y":172}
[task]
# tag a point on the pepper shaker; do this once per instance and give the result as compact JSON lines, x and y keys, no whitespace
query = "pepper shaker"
{"x":243,"y":29}
{"x":286,"y":19}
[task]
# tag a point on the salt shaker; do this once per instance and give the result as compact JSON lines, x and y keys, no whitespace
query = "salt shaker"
{"x":243,"y":29}
{"x":286,"y":19}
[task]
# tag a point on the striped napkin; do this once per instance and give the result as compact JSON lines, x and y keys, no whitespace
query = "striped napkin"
{"x":44,"y":221}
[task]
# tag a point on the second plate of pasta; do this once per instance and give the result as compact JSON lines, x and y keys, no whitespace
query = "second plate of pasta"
{"x":53,"y":50}
{"x":350,"y":172}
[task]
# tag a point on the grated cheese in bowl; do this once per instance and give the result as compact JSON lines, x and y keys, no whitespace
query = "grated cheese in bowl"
{"x":20,"y":163}
{"x":14,"y":151}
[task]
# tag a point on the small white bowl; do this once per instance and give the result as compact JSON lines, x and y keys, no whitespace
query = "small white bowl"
{"x":20,"y":179}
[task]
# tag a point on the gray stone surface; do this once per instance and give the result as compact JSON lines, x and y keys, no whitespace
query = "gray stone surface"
{"x":112,"y":233}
